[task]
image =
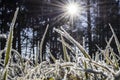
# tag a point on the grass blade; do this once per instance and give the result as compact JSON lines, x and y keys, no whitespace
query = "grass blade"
{"x":66,"y":56}
{"x":10,"y":39}
{"x":9,"y":44}
{"x":67,"y":36}
{"x":37,"y":54}
{"x":42,"y":41}
{"x":53,"y":58}
{"x":116,"y":39}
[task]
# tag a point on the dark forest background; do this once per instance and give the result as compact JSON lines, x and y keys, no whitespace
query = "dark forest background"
{"x":92,"y":28}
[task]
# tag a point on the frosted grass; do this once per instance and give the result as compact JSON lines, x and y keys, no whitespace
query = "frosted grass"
{"x":79,"y":66}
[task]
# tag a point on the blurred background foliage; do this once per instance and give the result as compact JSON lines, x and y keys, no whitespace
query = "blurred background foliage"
{"x":90,"y":28}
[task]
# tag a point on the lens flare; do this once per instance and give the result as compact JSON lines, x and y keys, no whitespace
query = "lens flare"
{"x":67,"y":10}
{"x":72,"y":9}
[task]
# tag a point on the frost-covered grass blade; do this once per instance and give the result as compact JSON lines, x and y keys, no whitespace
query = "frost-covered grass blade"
{"x":9,"y":45}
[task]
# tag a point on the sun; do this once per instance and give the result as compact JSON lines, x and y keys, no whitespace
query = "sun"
{"x":72,"y":9}
{"x":67,"y":10}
